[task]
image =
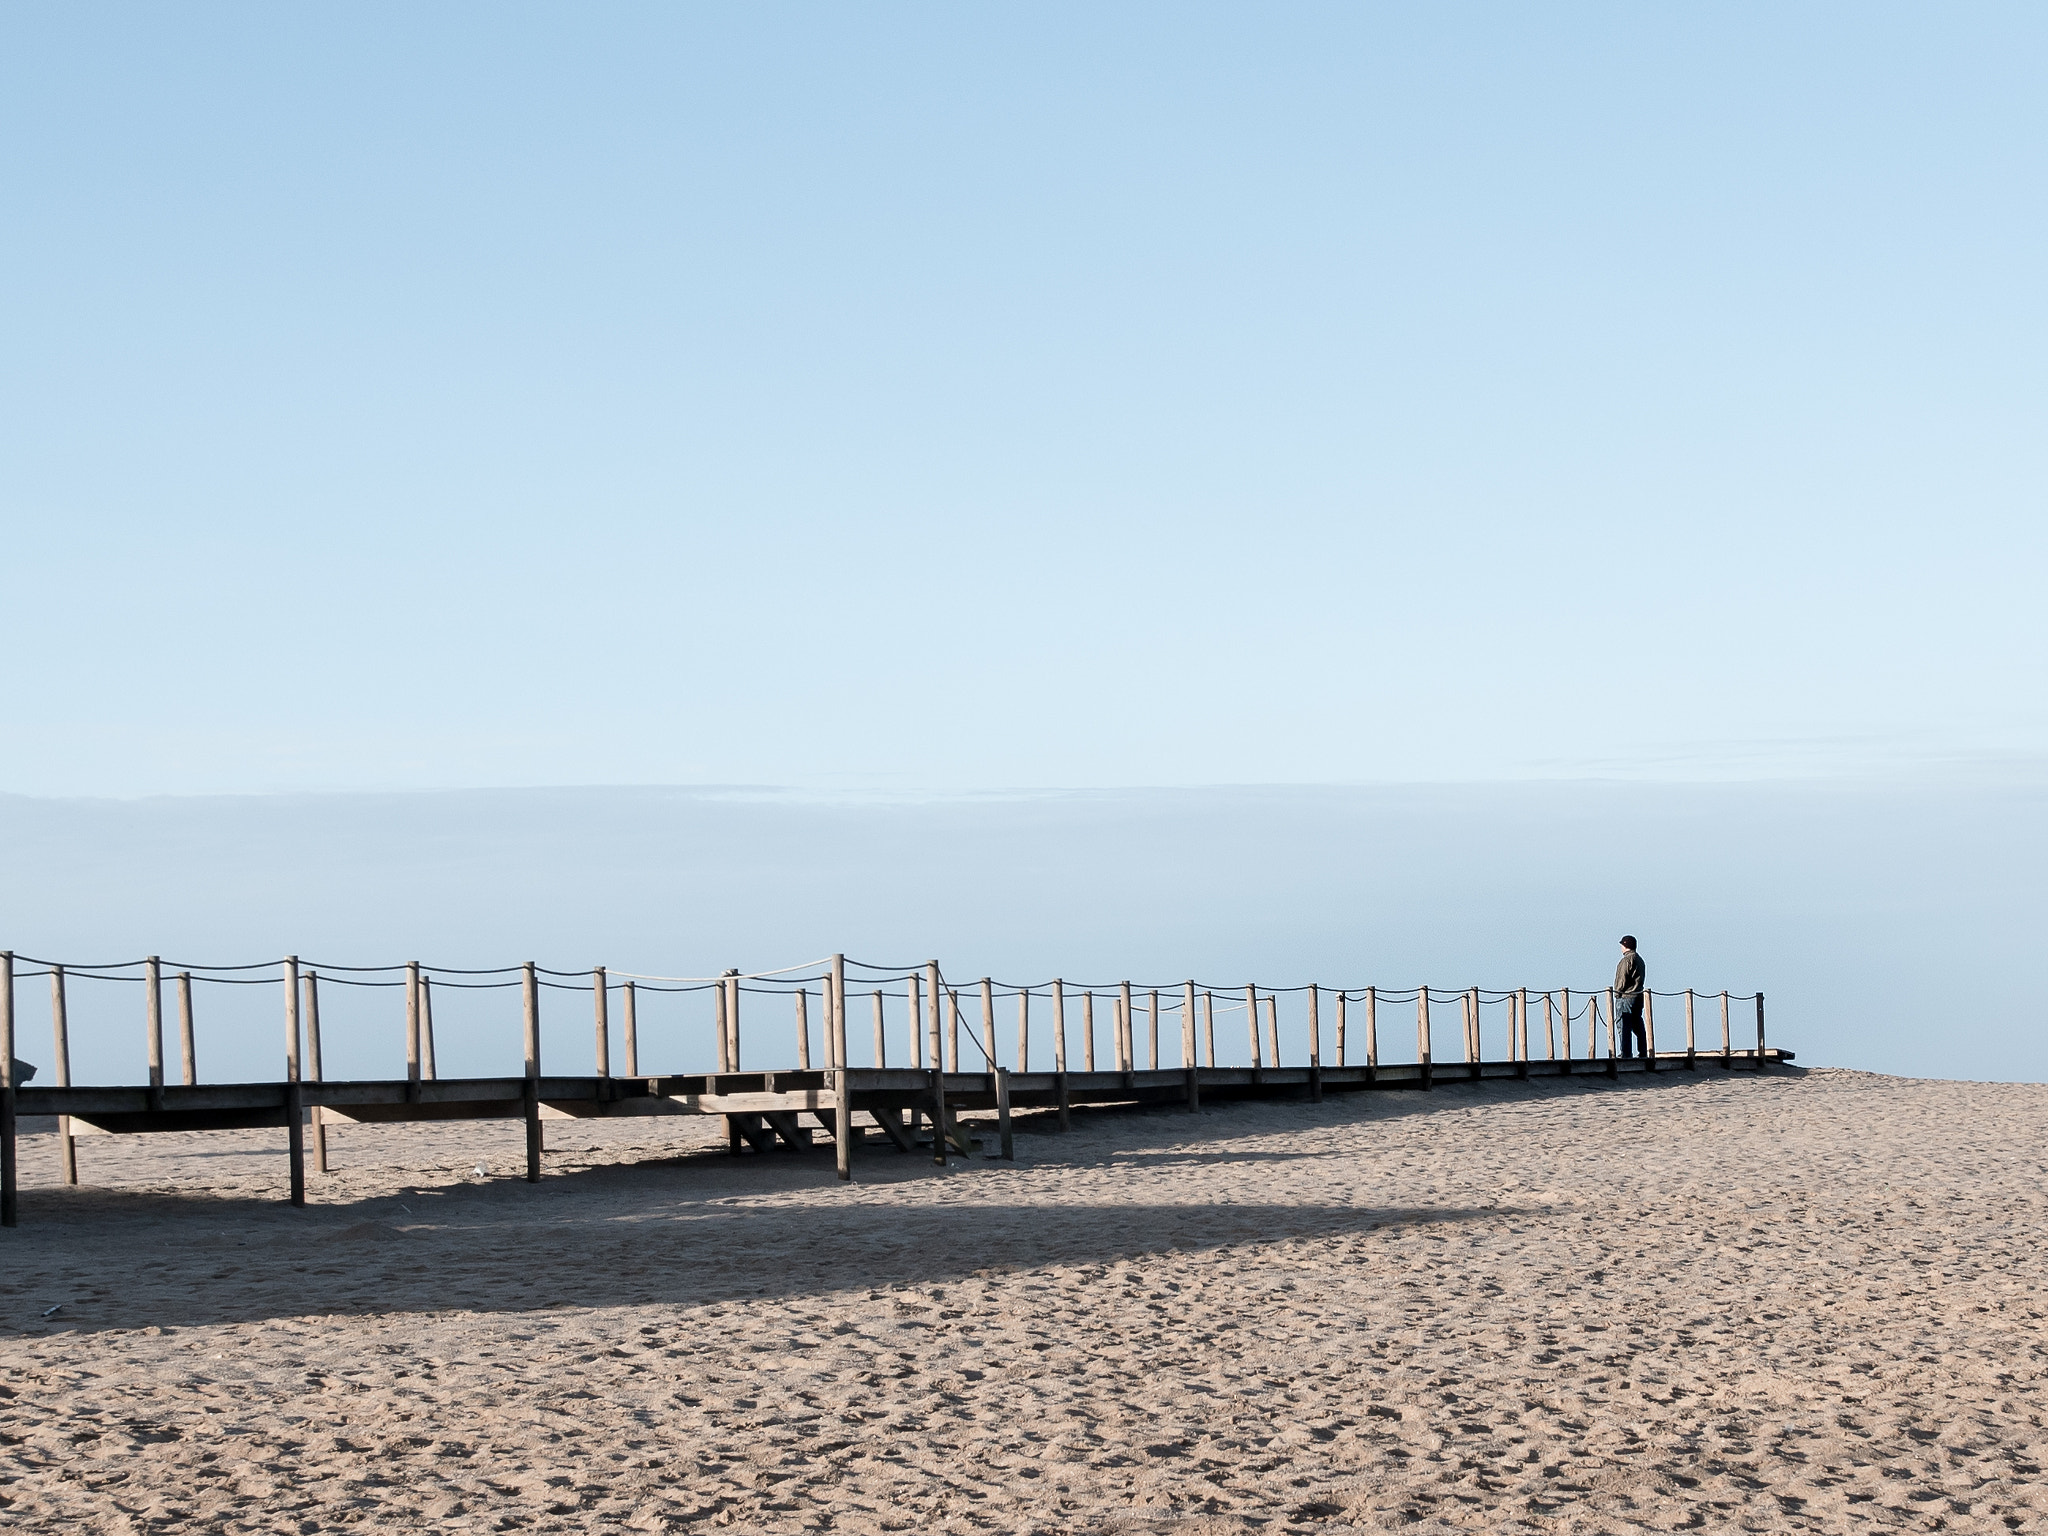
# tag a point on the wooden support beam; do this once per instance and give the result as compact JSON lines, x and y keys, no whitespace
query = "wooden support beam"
{"x":530,"y":1101}
{"x":1060,"y":1102}
{"x":939,"y":1129}
{"x":295,"y":1138}
{"x":1009,"y":1141}
{"x":891,"y":1122}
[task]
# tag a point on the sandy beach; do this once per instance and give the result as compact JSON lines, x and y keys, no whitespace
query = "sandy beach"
{"x":1810,"y":1302}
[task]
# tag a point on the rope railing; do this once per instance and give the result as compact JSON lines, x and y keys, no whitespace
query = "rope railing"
{"x":926,"y":1018}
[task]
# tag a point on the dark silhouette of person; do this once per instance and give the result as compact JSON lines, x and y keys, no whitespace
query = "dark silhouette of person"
{"x":1631,"y":978}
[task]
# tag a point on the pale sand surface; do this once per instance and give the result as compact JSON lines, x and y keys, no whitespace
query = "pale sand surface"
{"x":1810,"y":1302}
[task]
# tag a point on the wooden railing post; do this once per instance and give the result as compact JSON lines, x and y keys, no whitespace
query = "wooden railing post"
{"x":1088,"y":1031}
{"x":530,"y":996}
{"x":842,"y":1075}
{"x":1059,"y":1027}
{"x":601,"y":1021}
{"x":933,"y":1003}
{"x":1273,"y":1024}
{"x":1565,"y":1013}
{"x":60,"y":1041}
{"x":1128,"y":1029}
{"x":913,"y":998}
{"x":1251,"y":1014}
{"x":1023,"y":1030}
{"x":412,"y":1030}
{"x":1649,"y":1029}
{"x":1315,"y":1048}
{"x":881,"y":1033}
{"x":1422,"y":1040}
{"x":1760,"y":1032}
{"x":953,"y":1030}
{"x":310,"y":984}
{"x":291,"y":1021}
{"x":1727,"y":1054}
{"x":803,"y":1031}
{"x":1209,"y":1026}
{"x":629,"y":1024}
{"x":1549,"y":1028}
{"x":1372,"y":1034}
{"x":1613,"y":1061}
{"x":1691,"y":1049}
{"x":428,"y":1069}
{"x":1521,"y":1026}
{"x":1188,"y":1057}
{"x":188,"y":1048}
{"x":153,"y":1009}
{"x":9,"y":1211}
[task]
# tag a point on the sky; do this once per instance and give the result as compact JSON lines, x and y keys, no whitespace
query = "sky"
{"x":934,"y":397}
{"x":1336,"y":492}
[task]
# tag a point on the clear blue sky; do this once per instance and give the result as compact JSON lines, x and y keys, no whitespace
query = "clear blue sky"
{"x":949,"y":396}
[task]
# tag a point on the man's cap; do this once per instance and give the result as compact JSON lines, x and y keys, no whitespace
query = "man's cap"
{"x":1629,"y":939}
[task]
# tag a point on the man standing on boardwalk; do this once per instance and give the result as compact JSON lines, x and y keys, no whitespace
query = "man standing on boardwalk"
{"x":1630,"y":977}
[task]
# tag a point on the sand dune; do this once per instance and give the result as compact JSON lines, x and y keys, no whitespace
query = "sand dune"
{"x":1812,"y":1302}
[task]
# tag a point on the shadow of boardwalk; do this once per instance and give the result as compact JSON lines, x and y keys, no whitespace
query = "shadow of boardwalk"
{"x":703,"y":1227}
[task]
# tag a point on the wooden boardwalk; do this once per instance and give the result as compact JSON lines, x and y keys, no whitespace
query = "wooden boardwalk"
{"x":912,"y":1109}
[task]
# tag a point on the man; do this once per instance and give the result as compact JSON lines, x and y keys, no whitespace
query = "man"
{"x":1629,"y":978}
